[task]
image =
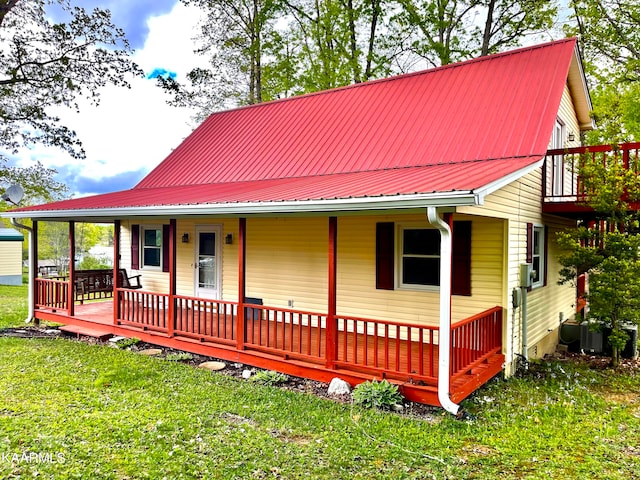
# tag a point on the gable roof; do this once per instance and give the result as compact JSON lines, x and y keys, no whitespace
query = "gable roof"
{"x":444,"y":136}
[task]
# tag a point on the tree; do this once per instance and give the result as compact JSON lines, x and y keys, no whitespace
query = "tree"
{"x":609,"y":32}
{"x":339,"y":41}
{"x":507,"y":22}
{"x":608,"y":249}
{"x":236,"y":37}
{"x":44,"y":65}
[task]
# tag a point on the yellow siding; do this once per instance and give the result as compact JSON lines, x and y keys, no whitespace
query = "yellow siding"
{"x":10,"y":258}
{"x":157,"y":281}
{"x":287,"y":260}
{"x":519,"y":203}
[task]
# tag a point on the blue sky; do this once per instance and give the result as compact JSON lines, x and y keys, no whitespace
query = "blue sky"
{"x":130,"y":15}
{"x":131,"y":131}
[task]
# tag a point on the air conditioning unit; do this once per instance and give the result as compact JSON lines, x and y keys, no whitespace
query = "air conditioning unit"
{"x":630,"y":350}
{"x":596,"y":341}
{"x":591,"y":340}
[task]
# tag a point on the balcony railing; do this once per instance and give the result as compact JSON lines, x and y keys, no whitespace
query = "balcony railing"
{"x":562,"y":182}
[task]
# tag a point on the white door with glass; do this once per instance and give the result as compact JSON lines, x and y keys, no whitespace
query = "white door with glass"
{"x":208,"y":261}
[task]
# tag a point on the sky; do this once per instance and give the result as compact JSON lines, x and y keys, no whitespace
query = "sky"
{"x":131,"y":131}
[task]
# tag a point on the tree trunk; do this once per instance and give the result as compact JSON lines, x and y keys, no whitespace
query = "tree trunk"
{"x":486,"y":37}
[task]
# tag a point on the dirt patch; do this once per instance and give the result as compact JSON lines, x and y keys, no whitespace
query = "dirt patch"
{"x":596,"y":362}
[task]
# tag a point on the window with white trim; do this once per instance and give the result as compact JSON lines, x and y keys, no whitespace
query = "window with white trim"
{"x":151,"y":243}
{"x":537,"y":256}
{"x":419,"y":252}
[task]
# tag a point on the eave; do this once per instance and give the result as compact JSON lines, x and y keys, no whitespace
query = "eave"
{"x":339,"y":205}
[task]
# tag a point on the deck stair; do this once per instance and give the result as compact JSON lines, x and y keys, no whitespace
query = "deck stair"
{"x":101,"y":334}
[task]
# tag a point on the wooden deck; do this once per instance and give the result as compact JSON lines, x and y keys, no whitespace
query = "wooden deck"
{"x":296,"y":342}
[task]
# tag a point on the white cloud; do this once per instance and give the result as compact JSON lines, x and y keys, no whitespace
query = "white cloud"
{"x":132,"y":129}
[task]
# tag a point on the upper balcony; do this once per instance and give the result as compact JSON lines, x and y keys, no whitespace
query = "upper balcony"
{"x":563,"y":191}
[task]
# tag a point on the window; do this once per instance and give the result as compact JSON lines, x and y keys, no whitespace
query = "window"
{"x":415,"y":263}
{"x":151,"y":246}
{"x":538,"y":256}
{"x":557,"y":141}
{"x":420,"y":257}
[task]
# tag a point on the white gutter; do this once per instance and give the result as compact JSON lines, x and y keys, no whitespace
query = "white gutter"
{"x":446,"y":199}
{"x":444,"y":335}
{"x":31,"y":309}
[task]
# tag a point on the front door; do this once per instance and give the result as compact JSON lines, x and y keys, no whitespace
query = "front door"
{"x":208,"y":264}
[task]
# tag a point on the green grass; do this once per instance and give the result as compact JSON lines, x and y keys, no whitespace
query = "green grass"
{"x":13,"y":308}
{"x":91,"y":411}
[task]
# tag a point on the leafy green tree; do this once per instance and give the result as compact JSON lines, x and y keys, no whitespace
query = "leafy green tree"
{"x":508,"y":22}
{"x":609,"y":32}
{"x":44,"y":65}
{"x":236,"y":38}
{"x":608,"y":249}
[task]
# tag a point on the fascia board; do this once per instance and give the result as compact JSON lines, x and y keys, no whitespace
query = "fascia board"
{"x":506,"y":180}
{"x":447,"y":199}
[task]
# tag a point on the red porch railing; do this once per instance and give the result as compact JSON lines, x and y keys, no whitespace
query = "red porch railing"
{"x":280,"y":331}
{"x":52,"y":294}
{"x":146,"y":310}
{"x":390,"y":349}
{"x":562,"y":181}
{"x":474,"y":340}
{"x":203,"y":319}
{"x":382,"y":349}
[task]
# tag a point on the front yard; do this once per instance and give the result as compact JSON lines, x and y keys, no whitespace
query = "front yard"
{"x":70,"y":409}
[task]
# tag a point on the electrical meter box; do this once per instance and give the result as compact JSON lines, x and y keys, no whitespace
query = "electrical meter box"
{"x":526,"y":273}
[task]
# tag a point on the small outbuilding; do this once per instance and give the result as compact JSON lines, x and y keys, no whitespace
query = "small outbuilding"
{"x":10,"y":256}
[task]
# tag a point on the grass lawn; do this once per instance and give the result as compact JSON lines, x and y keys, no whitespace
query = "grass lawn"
{"x":73,"y":410}
{"x":13,"y":306}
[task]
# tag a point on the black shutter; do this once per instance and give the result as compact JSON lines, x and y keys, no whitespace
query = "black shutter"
{"x":135,"y":247}
{"x":166,"y":231}
{"x":529,"y":243}
{"x":385,"y":249}
{"x":546,"y":253}
{"x":461,"y":258}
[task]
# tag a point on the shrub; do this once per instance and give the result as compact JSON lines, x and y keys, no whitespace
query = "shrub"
{"x":127,"y":342}
{"x":374,"y":394}
{"x":179,"y":357}
{"x":269,"y":377}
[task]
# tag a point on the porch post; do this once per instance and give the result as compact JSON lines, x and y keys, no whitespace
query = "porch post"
{"x":72,"y":268}
{"x":172,"y":277}
{"x":242,"y":259}
{"x":331,"y":345}
{"x":116,"y":268}
{"x":33,"y":271}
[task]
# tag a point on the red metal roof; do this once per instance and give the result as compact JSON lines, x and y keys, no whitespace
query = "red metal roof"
{"x":453,"y":128}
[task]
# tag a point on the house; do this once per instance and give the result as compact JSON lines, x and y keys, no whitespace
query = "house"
{"x":390,"y":229}
{"x":10,"y":256}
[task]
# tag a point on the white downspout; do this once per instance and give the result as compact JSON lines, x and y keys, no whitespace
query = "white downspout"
{"x":444,"y":336}
{"x":30,"y":312}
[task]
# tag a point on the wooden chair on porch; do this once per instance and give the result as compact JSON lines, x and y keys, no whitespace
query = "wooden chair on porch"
{"x":125,"y":281}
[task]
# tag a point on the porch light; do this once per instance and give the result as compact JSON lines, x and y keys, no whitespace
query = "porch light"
{"x":228,"y":239}
{"x":185,"y":237}
{"x":571,"y":136}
